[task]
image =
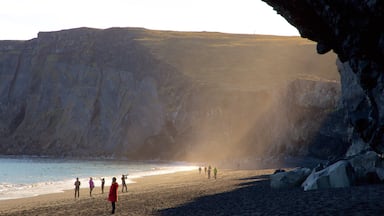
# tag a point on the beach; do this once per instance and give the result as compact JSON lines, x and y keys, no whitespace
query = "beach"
{"x":234,"y":192}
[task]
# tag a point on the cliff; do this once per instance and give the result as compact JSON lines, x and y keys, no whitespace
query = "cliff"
{"x":143,"y":94}
{"x":352,"y":30}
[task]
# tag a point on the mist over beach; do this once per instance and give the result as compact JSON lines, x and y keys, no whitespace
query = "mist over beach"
{"x":203,"y":108}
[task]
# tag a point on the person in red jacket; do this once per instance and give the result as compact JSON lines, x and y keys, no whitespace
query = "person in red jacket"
{"x":112,"y":197}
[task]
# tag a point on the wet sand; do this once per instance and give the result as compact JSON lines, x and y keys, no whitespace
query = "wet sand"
{"x":234,"y":192}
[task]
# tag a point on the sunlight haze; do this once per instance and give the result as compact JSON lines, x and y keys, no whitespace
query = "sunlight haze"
{"x":23,"y":19}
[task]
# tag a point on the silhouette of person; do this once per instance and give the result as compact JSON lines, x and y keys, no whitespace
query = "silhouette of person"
{"x":91,"y":186}
{"x":199,"y":170}
{"x":112,"y":197}
{"x":209,"y":172}
{"x":124,"y":185}
{"x":102,"y":185}
{"x":215,"y":172}
{"x":77,"y":187}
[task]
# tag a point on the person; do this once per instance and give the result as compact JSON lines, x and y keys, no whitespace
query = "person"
{"x":199,"y":170}
{"x":124,"y":185}
{"x":77,"y":188}
{"x":91,"y":186}
{"x":215,"y":172}
{"x":112,"y":197}
{"x":102,"y":185}
{"x":209,"y":171}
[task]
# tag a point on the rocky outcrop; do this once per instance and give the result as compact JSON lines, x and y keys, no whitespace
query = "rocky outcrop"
{"x":120,"y":93}
{"x":352,"y":30}
{"x":306,"y":118}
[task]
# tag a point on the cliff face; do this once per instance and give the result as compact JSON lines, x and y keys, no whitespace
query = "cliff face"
{"x":352,"y":30}
{"x":126,"y":93}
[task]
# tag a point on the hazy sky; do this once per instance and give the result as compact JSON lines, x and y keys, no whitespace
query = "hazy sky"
{"x":23,"y":19}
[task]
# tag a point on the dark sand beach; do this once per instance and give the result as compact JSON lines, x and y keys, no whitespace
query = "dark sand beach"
{"x":234,"y":192}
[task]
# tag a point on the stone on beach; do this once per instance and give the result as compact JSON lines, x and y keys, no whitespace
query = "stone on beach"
{"x":289,"y":179}
{"x":337,"y":175}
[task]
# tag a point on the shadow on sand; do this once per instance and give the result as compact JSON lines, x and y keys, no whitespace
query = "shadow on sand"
{"x":241,"y":201}
{"x":255,"y":197}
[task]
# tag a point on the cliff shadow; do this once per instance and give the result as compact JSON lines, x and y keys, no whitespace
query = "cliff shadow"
{"x":241,"y":201}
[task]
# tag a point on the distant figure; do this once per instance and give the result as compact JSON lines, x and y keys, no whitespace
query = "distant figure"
{"x":91,"y":186}
{"x":209,"y":172}
{"x":102,"y":185}
{"x":112,"y":197}
{"x":205,"y":170}
{"x":199,"y":170}
{"x":215,"y":172}
{"x":77,"y":188}
{"x":124,"y":185}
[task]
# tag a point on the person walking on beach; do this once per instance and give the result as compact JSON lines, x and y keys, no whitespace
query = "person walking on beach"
{"x":102,"y":185}
{"x":215,"y":172}
{"x":112,"y":197}
{"x":91,"y":186}
{"x":199,"y":170}
{"x":124,"y":185}
{"x":77,"y":188}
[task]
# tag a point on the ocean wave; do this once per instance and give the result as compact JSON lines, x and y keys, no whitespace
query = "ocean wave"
{"x":83,"y":170}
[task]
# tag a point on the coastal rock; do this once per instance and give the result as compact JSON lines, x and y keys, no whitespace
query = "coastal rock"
{"x":367,"y":167}
{"x":289,"y":179}
{"x":307,"y":118}
{"x":352,"y":30}
{"x":141,"y":94}
{"x":337,"y":175}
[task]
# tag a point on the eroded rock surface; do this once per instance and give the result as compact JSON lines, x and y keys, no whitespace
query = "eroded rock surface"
{"x":352,"y":29}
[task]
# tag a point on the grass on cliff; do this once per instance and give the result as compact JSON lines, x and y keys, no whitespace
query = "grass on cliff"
{"x":243,"y":62}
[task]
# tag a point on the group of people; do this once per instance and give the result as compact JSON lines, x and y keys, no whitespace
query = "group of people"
{"x":207,"y":170}
{"x":112,"y":196}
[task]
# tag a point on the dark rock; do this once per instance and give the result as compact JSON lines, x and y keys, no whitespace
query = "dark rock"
{"x":289,"y":179}
{"x":278,"y":171}
{"x":337,"y":175}
{"x":352,"y":30}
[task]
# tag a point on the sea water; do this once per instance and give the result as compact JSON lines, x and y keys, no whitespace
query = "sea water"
{"x":25,"y":177}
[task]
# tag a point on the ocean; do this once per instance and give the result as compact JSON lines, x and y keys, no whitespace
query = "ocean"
{"x":31,"y":176}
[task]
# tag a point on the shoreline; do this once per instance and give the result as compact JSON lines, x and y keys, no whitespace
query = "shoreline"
{"x":39,"y":176}
{"x":234,"y":192}
{"x":64,"y":200}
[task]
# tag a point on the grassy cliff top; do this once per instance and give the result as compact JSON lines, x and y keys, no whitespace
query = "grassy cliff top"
{"x":240,"y":61}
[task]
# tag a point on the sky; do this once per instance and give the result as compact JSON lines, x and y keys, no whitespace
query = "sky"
{"x":23,"y":19}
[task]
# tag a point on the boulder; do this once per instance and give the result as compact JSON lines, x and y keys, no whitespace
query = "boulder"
{"x":367,"y":168}
{"x":289,"y":179}
{"x":337,"y":175}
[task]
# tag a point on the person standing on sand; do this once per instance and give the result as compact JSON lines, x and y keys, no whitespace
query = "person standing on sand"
{"x":215,"y":172}
{"x":209,"y":172}
{"x":112,"y":197}
{"x":102,"y":185}
{"x":124,"y":185}
{"x":91,"y":186}
{"x":199,"y":170}
{"x":77,"y":188}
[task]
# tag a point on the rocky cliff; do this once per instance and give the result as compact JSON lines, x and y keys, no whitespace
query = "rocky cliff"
{"x":164,"y":95}
{"x":352,"y":30}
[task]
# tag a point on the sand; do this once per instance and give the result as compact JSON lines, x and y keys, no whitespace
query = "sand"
{"x":234,"y":192}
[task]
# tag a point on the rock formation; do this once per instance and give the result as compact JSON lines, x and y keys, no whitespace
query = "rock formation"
{"x":163,"y":95}
{"x":352,"y":29}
